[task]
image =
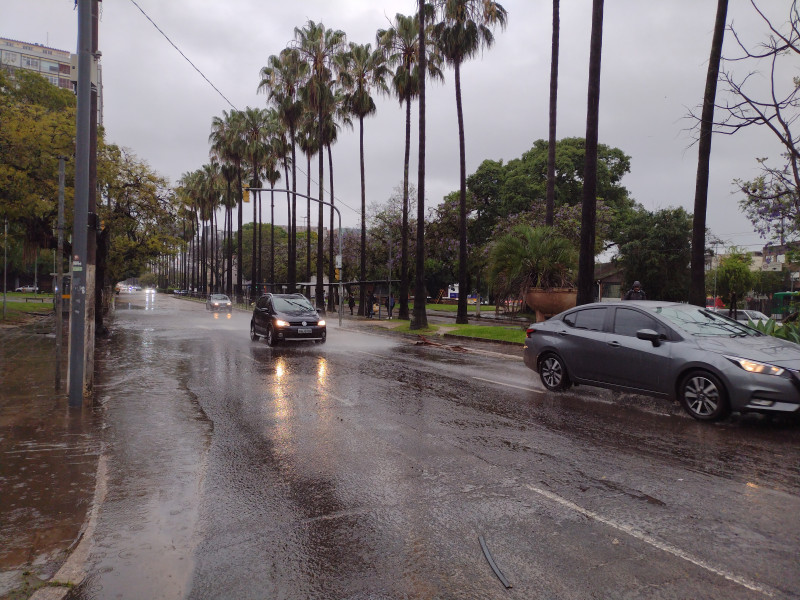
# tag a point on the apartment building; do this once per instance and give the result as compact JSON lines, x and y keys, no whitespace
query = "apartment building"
{"x":52,"y":64}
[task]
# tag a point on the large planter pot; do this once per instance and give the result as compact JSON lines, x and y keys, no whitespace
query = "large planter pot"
{"x":546,"y":303}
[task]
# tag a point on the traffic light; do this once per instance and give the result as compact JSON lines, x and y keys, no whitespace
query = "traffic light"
{"x":338,"y":274}
{"x":245,"y":194}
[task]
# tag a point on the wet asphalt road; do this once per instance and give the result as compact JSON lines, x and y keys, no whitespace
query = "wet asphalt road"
{"x":369,"y":467}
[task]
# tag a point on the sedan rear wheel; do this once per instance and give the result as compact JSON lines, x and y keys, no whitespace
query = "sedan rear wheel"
{"x":253,"y":335}
{"x":703,"y":396}
{"x":553,"y":373}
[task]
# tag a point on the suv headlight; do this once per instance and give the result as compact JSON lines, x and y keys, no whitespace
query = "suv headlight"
{"x":281,"y":323}
{"x":321,"y":323}
{"x":753,"y":366}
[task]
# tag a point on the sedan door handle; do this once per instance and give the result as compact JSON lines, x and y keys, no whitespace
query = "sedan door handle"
{"x":615,"y":344}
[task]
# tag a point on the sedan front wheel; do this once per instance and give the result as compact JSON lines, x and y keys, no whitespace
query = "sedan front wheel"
{"x":553,"y":373}
{"x":253,"y":335}
{"x":703,"y":396}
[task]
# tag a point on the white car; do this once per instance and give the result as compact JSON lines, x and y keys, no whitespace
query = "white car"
{"x":27,"y":289}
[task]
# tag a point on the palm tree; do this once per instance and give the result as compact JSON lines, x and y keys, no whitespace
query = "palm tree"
{"x":282,"y":79}
{"x":589,"y":206}
{"x":276,"y":153}
{"x":697,"y":287}
{"x":400,"y":44}
{"x":550,"y":198}
{"x":319,"y":47}
{"x":363,"y":70}
{"x":465,"y":29}
{"x":226,"y":145}
{"x":255,"y":132}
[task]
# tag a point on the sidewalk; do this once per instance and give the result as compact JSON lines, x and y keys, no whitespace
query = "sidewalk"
{"x":48,"y":460}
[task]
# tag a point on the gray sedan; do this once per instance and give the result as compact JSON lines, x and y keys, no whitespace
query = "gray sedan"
{"x":711,"y":363}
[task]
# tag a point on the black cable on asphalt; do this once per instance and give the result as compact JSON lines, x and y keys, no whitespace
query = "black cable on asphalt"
{"x":492,"y":564}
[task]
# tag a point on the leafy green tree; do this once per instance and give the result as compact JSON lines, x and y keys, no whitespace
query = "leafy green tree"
{"x":733,"y":275}
{"x":465,"y":28}
{"x":654,"y":248}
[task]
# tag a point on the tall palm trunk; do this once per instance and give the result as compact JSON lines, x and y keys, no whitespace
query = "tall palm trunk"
{"x":272,"y":241}
{"x":589,"y":206}
{"x":461,"y":315}
{"x":332,"y":291}
{"x":308,"y":218}
{"x":320,"y":294}
{"x":420,"y":320}
{"x":239,"y":236}
{"x":403,"y":314}
{"x":258,"y":254}
{"x":697,"y":288}
{"x":550,"y":198}
{"x":293,"y":220}
{"x":289,"y":217}
{"x":362,"y":276}
{"x":253,"y":271}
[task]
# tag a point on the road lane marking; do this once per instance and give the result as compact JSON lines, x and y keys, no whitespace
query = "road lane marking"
{"x":341,"y":400}
{"x":663,"y":546}
{"x":519,"y":387}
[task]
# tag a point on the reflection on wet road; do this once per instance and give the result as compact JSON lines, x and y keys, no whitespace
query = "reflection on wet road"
{"x":368,"y":467}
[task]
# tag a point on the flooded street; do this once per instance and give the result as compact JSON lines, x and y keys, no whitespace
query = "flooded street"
{"x":371,"y":467}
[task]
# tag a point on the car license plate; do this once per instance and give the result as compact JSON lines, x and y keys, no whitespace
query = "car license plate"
{"x":304,"y":330}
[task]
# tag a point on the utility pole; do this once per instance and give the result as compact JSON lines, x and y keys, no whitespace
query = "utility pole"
{"x":81,"y":339}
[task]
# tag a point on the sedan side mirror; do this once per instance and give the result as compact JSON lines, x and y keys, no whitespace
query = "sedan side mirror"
{"x":649,"y":334}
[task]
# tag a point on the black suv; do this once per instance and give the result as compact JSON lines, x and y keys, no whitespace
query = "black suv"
{"x":286,"y":318}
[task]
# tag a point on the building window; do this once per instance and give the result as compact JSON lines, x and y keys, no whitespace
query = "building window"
{"x":51,"y":78}
{"x":30,"y":62}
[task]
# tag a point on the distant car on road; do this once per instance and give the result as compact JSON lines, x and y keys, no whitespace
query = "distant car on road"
{"x":286,"y":318}
{"x":218,"y":302}
{"x":712,"y":364}
{"x":27,"y":289}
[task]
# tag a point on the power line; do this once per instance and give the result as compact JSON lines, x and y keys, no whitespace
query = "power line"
{"x":182,"y":54}
{"x":299,"y":168}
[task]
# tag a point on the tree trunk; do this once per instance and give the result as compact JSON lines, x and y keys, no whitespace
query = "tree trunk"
{"x":461,"y":314}
{"x":293,"y":221}
{"x":321,"y":221}
{"x":420,"y":320}
{"x":551,"y":147}
{"x":697,"y":287}
{"x":308,"y":218}
{"x":404,"y":283}
{"x":239,"y":236}
{"x":589,"y":207}
{"x":332,"y":298}
{"x":362,"y":288}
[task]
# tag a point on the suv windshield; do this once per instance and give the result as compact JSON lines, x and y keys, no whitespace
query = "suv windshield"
{"x":702,"y":322}
{"x":290,"y":304}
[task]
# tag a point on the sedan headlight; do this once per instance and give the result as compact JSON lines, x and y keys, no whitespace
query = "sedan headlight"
{"x":321,"y":323}
{"x":752,"y":366}
{"x":281,"y":323}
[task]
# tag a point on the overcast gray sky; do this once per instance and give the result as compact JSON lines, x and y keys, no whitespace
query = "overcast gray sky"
{"x":653,"y":71}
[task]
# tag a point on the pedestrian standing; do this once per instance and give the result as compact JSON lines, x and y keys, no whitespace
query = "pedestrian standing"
{"x":636,"y":292}
{"x":390,"y":304}
{"x":351,"y":302}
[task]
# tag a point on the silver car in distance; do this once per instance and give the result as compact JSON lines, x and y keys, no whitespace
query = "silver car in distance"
{"x":712,"y":364}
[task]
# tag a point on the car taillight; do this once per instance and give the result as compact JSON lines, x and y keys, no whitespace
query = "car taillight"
{"x":529,"y":332}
